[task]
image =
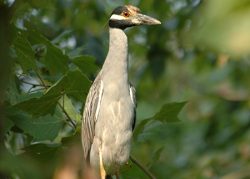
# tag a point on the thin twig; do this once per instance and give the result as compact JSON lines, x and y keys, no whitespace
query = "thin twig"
{"x":41,"y":79}
{"x":67,"y":115}
{"x":62,"y":107}
{"x":144,"y":169}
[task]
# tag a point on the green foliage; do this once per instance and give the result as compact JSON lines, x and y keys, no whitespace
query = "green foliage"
{"x":54,"y":59}
{"x":24,"y":52}
{"x":168,"y":113}
{"x":39,"y":106}
{"x":42,"y":128}
{"x":200,"y":54}
{"x":86,"y":64}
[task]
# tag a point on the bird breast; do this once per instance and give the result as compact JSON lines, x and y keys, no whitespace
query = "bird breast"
{"x":114,"y":126}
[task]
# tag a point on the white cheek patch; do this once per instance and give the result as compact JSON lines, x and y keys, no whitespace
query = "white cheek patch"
{"x":117,"y":17}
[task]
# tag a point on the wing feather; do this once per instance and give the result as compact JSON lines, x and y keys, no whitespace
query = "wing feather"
{"x":132,"y":93}
{"x":90,"y":115}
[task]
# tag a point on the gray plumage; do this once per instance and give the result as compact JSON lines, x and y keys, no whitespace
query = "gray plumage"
{"x":109,"y":113}
{"x":111,"y":102}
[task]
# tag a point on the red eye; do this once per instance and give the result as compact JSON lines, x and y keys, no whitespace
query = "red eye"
{"x":126,"y":14}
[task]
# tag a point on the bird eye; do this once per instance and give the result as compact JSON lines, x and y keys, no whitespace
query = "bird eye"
{"x":126,"y":14}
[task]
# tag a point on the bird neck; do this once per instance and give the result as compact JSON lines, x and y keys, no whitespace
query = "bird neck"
{"x":117,"y":58}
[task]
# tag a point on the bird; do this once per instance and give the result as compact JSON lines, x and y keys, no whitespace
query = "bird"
{"x":110,"y":108}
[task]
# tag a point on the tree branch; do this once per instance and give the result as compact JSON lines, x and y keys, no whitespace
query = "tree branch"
{"x":143,"y":168}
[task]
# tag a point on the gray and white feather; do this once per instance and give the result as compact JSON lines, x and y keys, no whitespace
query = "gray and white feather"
{"x":109,"y":113}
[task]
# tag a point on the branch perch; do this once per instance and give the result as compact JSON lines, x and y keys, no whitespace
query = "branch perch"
{"x":143,"y":168}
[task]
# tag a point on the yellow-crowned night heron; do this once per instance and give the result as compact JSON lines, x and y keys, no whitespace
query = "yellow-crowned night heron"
{"x":109,"y":113}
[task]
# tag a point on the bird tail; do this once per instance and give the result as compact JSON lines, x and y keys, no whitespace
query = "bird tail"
{"x":108,"y":177}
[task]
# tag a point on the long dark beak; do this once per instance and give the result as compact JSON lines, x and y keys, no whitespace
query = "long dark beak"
{"x":146,"y":20}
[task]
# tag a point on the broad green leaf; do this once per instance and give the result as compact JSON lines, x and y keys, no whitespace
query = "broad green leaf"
{"x":42,"y":128}
{"x":86,"y":64}
{"x":168,"y":113}
{"x":40,"y":106}
{"x":74,"y":83}
{"x":24,"y":52}
{"x":55,"y":60}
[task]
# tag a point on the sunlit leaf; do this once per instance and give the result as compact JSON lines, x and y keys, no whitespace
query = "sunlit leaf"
{"x":66,"y":103}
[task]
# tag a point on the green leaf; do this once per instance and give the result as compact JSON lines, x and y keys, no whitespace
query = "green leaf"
{"x":40,"y":106}
{"x":54,"y":59}
{"x":70,"y":109}
{"x":74,"y":83}
{"x":24,"y":52}
{"x":86,"y":64}
{"x":169,"y":112}
{"x":42,"y":128}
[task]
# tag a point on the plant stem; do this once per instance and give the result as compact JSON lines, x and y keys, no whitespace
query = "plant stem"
{"x":40,"y":78}
{"x":67,"y":115}
{"x":143,"y":168}
{"x":61,"y":106}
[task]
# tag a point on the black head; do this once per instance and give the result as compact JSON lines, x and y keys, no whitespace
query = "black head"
{"x":128,"y":16}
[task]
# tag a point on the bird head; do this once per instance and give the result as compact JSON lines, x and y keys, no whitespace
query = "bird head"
{"x":128,"y":16}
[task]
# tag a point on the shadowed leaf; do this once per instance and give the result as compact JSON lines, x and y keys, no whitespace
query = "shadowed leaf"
{"x":54,"y":59}
{"x":24,"y":52}
{"x":86,"y":64}
{"x":42,"y":128}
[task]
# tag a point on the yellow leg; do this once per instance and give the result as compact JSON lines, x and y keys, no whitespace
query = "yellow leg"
{"x":117,"y":175}
{"x":102,"y":170}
